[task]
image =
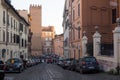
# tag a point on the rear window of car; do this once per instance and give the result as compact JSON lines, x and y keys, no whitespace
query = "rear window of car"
{"x":91,"y":59}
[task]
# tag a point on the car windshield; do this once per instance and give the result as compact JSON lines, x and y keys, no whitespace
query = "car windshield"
{"x":90,"y":59}
{"x":13,"y":61}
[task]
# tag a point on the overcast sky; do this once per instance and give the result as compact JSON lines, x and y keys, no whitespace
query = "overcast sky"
{"x":52,"y":11}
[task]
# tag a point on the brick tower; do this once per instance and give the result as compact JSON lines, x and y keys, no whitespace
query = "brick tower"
{"x":36,"y":25}
{"x":36,"y":16}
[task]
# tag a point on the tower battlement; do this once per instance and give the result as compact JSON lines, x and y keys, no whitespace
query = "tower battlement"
{"x":35,"y":6}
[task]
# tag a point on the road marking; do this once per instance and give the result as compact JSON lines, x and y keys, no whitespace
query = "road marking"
{"x":49,"y":74}
{"x":9,"y":78}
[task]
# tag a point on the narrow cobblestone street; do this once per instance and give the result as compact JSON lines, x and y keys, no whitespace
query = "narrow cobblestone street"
{"x":53,"y":72}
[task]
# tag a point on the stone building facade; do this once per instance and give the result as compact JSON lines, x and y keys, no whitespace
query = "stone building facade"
{"x":84,"y":15}
{"x":66,"y":30}
{"x":47,"y":37}
{"x":58,"y":45}
{"x":14,"y":31}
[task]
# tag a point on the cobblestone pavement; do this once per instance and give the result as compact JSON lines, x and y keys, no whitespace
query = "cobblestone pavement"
{"x":53,"y":72}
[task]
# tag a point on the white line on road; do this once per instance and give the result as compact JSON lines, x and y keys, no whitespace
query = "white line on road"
{"x":9,"y":78}
{"x":49,"y":74}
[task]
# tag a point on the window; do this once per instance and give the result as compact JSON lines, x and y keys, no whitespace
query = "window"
{"x":78,"y":33}
{"x":3,"y":17}
{"x":21,"y":26}
{"x":11,"y":37}
{"x":3,"y":35}
{"x":14,"y":38}
{"x":7,"y":36}
{"x":78,"y":9}
{"x":8,"y":20}
{"x":74,"y":34}
{"x":66,"y":42}
{"x":73,"y":14}
{"x":14,"y":24}
{"x":46,"y":39}
{"x":22,"y":42}
{"x":18,"y":39}
{"x":113,"y":16}
{"x":11,"y":22}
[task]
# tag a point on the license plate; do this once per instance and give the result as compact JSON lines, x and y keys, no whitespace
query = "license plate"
{"x":91,"y":67}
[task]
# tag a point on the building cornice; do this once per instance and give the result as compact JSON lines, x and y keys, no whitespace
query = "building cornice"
{"x":9,"y":6}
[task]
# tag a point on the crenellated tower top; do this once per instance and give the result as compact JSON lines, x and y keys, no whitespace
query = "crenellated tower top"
{"x":35,"y":6}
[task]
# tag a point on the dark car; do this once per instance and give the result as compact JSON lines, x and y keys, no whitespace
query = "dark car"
{"x":49,"y":60}
{"x":73,"y":63}
{"x":86,"y":64}
{"x":2,"y":70}
{"x":14,"y":65}
{"x":67,"y":63}
{"x":60,"y":62}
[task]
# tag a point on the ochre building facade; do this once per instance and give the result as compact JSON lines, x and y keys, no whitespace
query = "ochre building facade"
{"x":84,"y":15}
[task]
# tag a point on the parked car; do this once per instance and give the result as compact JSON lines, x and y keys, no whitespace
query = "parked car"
{"x":29,"y":63}
{"x":87,"y":64}
{"x":72,"y":65}
{"x":14,"y":65}
{"x":60,"y":62}
{"x":49,"y":60}
{"x":66,"y":63}
{"x":2,"y":70}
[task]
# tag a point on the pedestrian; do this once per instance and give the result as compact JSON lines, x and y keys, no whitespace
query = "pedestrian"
{"x":24,"y":63}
